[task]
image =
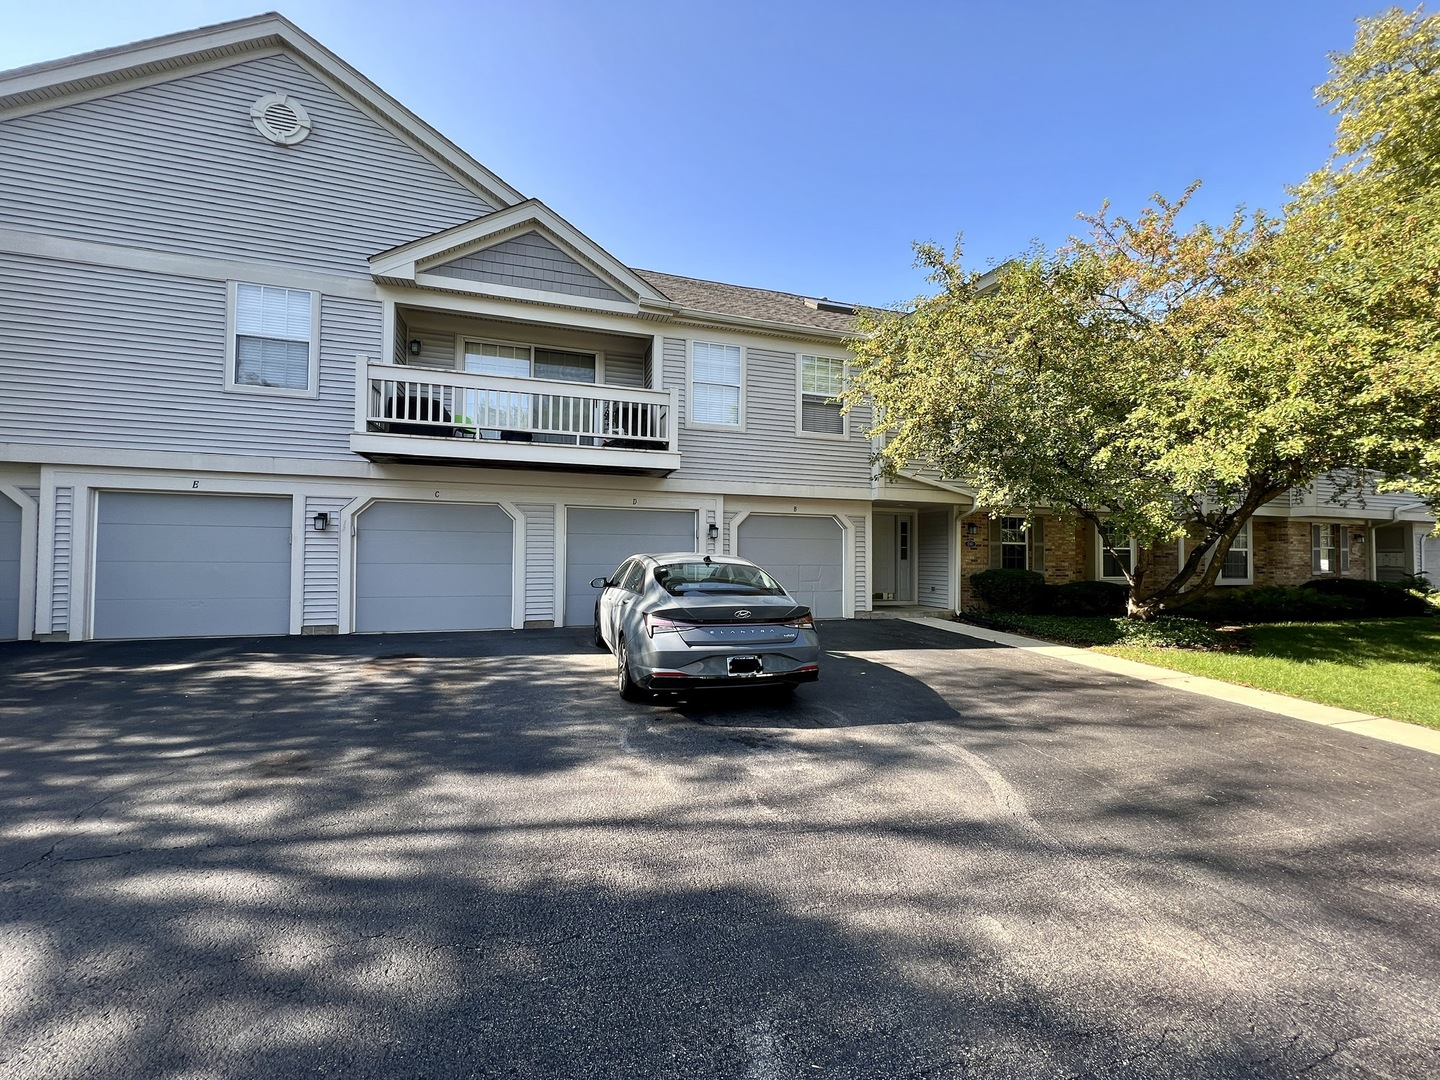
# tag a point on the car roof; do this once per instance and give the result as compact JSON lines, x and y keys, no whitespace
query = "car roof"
{"x":697,"y":556}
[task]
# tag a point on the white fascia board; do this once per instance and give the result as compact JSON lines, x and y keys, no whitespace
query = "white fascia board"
{"x":84,"y":74}
{"x":482,"y":232}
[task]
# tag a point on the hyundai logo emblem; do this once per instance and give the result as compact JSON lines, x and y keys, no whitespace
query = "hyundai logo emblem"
{"x":742,"y":614}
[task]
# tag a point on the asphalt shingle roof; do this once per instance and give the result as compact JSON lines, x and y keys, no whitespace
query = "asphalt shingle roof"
{"x":746,"y":303}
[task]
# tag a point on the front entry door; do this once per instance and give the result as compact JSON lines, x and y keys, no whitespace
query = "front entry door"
{"x":894,"y":551}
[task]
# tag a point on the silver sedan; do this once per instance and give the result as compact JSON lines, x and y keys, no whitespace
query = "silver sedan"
{"x":687,"y":620}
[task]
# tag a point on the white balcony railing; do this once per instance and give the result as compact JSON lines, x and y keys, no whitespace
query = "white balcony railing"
{"x":455,"y":405}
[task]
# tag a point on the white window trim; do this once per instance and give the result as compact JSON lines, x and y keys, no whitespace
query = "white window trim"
{"x":1100,"y":559}
{"x":690,"y":421}
{"x":800,"y":429}
{"x":1024,"y":532}
{"x":311,"y":391}
{"x":1249,"y":579}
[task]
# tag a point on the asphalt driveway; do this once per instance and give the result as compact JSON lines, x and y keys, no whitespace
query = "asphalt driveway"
{"x":463,"y":855}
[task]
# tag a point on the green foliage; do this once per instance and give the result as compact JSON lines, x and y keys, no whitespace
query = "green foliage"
{"x":1271,"y":604}
{"x":1166,"y":632}
{"x":1163,"y":382}
{"x":1086,"y":598}
{"x":1010,"y":590}
{"x":1372,"y":599}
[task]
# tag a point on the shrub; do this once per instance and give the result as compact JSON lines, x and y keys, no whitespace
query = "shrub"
{"x":1166,"y":632}
{"x":1010,"y":590}
{"x":1372,"y":599}
{"x":1273,"y":603}
{"x":1086,"y":598}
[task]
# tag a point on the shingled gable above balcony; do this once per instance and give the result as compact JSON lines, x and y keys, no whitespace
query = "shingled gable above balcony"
{"x":524,"y":252}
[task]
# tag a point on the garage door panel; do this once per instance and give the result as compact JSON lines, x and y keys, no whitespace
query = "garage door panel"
{"x":180,"y":565}
{"x":598,"y":540}
{"x":192,"y":582}
{"x":805,"y":554}
{"x":423,"y":566}
{"x":9,"y":570}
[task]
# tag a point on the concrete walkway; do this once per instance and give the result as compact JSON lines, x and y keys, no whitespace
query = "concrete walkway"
{"x":1374,"y":727}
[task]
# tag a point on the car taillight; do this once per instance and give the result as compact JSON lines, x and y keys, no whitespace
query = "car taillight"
{"x":804,"y":622}
{"x":657,"y":624}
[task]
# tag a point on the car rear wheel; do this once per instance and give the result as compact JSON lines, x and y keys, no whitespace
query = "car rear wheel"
{"x":629,"y":689}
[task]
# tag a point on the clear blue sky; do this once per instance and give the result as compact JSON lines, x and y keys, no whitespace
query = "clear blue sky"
{"x":803,"y":146}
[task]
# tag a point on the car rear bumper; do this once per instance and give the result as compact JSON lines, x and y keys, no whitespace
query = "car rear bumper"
{"x":674,"y":680}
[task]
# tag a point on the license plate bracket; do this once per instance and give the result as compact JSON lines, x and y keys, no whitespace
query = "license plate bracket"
{"x":743,"y":667}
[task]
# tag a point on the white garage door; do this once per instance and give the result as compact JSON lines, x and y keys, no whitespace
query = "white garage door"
{"x":805,"y":554}
{"x":433,"y":566}
{"x":9,"y":570}
{"x":597,"y":541}
{"x":191,"y":565}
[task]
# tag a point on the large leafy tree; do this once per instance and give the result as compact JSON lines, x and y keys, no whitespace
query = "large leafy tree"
{"x":1166,"y":383}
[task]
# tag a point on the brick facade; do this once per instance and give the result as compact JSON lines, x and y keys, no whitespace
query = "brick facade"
{"x":1280,"y":553}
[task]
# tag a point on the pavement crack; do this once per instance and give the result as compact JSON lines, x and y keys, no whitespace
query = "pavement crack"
{"x":33,"y":862}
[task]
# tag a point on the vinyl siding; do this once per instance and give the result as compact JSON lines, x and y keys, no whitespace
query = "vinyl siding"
{"x":934,"y":552}
{"x":529,"y":261}
{"x":179,"y":167}
{"x":625,"y":371}
{"x":63,"y":542}
{"x":727,"y":538}
{"x":769,"y":433}
{"x":862,"y":562}
{"x":539,"y":558}
{"x":321,"y":597}
{"x":141,"y":358}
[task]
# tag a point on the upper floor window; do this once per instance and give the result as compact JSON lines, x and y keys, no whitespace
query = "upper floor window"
{"x":715,"y":384}
{"x":273,"y":341}
{"x":822,"y":378}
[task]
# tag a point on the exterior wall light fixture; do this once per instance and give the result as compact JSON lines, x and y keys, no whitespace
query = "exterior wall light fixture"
{"x":414,"y":346}
{"x":322,"y":521}
{"x":713,"y":531}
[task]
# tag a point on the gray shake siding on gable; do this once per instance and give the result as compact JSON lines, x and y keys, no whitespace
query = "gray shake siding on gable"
{"x":179,"y":167}
{"x":529,"y":261}
{"x":141,"y":358}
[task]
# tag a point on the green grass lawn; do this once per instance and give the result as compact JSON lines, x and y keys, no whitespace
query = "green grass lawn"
{"x":1388,"y":667}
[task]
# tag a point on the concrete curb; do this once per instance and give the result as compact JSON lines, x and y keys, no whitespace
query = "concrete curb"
{"x":1374,"y":727}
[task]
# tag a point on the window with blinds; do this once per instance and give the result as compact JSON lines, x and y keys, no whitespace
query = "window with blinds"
{"x":715,"y":384}
{"x":822,"y":378}
{"x":273,"y":331}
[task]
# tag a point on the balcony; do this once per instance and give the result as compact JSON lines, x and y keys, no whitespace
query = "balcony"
{"x":426,"y":416}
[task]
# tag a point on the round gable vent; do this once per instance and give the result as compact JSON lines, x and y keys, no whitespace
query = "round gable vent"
{"x":281,"y":119}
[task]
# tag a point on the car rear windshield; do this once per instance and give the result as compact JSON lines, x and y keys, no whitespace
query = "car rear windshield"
{"x":690,"y":578}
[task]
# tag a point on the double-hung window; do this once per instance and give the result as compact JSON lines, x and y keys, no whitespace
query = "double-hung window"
{"x":1237,"y":569}
{"x":273,"y":344}
{"x":1014,"y":548}
{"x":715,"y":372}
{"x":822,"y":378}
{"x":1329,"y":552}
{"x":1115,"y":565}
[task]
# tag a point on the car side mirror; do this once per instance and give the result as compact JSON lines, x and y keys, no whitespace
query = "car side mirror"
{"x":598,"y":583}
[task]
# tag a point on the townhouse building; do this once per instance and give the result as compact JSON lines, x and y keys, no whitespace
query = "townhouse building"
{"x":277,"y":357}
